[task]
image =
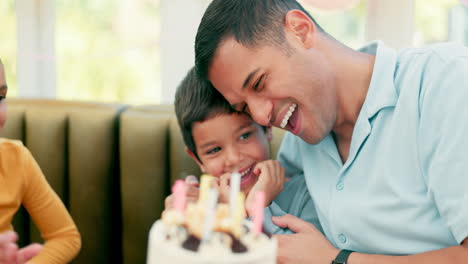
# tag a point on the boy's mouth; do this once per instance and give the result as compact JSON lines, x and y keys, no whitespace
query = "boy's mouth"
{"x":247,"y":176}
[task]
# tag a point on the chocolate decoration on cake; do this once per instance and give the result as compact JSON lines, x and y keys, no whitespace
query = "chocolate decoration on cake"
{"x":237,"y":246}
{"x":191,"y":243}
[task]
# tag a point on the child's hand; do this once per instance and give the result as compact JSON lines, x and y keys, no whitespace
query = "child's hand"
{"x":11,"y":254}
{"x":271,"y":180}
{"x":223,"y":187}
{"x":192,"y":193}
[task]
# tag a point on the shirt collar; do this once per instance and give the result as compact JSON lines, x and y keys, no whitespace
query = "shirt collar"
{"x":381,"y":92}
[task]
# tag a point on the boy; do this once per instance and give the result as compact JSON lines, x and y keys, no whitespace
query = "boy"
{"x":221,"y":140}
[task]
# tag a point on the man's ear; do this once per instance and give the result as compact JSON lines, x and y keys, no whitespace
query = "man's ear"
{"x":269,"y":133}
{"x":301,"y":27}
{"x":194,"y":157}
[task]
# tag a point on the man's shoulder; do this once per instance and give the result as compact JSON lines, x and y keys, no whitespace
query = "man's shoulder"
{"x":433,"y":55}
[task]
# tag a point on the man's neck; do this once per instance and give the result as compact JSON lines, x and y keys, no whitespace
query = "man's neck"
{"x":354,"y":72}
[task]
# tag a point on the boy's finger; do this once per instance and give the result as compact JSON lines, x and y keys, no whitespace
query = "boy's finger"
{"x":192,"y":192}
{"x":258,"y":168}
{"x":192,"y":199}
{"x":191,"y":180}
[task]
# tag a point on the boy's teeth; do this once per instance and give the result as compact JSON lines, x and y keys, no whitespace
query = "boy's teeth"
{"x":245,"y":172}
{"x":288,"y":115}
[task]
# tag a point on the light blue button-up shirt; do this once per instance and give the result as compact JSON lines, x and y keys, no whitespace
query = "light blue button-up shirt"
{"x":295,"y":200}
{"x":404,"y":187}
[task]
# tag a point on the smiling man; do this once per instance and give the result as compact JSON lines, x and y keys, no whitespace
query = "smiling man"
{"x":379,"y":134}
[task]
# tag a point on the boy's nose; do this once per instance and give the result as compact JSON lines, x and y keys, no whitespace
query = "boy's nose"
{"x":233,"y":157}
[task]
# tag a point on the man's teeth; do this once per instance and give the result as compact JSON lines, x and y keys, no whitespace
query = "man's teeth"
{"x":288,"y":115}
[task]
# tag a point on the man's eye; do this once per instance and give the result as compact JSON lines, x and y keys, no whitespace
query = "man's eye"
{"x":213,"y":150}
{"x":245,"y":135}
{"x":257,"y":84}
{"x":243,"y":108}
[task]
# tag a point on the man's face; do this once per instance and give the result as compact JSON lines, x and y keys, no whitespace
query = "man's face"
{"x":292,"y":91}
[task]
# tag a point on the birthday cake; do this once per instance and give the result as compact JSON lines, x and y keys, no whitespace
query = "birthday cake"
{"x":208,"y":232}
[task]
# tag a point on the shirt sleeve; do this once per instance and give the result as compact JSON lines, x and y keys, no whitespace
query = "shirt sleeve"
{"x":289,"y":155}
{"x":294,"y":200}
{"x":274,"y":210}
{"x":443,"y":144}
{"x":62,"y":239}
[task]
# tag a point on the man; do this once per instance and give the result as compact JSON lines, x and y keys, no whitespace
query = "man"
{"x":379,"y":135}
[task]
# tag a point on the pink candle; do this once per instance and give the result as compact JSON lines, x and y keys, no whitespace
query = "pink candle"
{"x":179,"y":190}
{"x":258,"y":206}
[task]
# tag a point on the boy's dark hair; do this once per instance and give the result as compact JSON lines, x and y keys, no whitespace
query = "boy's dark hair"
{"x":196,"y":100}
{"x":250,"y":22}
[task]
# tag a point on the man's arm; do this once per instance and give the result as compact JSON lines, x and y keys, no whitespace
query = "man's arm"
{"x":455,"y":254}
{"x":308,"y":245}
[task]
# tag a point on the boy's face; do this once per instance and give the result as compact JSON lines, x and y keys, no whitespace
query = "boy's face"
{"x":230,"y":142}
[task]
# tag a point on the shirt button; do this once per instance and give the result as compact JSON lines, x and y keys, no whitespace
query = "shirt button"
{"x":342,"y":238}
{"x":340,"y":186}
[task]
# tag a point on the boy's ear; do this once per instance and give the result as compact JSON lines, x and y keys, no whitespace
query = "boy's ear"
{"x":269,"y":133}
{"x":192,"y":155}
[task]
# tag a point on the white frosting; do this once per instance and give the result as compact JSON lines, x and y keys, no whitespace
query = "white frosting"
{"x":261,"y":249}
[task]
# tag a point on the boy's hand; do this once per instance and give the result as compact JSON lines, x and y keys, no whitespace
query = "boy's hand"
{"x":192,"y":193}
{"x":271,"y":180}
{"x":223,"y":187}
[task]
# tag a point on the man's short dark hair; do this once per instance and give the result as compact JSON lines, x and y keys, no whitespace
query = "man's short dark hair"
{"x":250,"y":22}
{"x":196,"y":100}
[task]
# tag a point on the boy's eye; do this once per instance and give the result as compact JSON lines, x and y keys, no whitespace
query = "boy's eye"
{"x":245,"y":135}
{"x":213,"y":150}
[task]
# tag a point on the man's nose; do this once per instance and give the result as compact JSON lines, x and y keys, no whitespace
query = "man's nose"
{"x":260,"y":110}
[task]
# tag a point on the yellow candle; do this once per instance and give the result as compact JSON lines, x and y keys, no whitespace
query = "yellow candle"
{"x":205,"y":186}
{"x":239,"y":215}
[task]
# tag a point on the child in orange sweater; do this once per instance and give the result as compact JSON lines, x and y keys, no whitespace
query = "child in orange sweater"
{"x":22,"y":183}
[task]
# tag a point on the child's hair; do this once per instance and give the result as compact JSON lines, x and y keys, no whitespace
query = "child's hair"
{"x":196,"y":100}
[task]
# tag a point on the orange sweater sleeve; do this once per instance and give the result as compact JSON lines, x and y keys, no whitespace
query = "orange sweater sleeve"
{"x":62,"y":240}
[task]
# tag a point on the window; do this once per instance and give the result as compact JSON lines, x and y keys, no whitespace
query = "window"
{"x":347,"y":26}
{"x":108,"y":50}
{"x":8,"y":43}
{"x":435,"y":19}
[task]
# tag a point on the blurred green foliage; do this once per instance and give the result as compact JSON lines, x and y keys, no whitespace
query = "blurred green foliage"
{"x":108,"y":50}
{"x":431,"y":20}
{"x":347,"y":26}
